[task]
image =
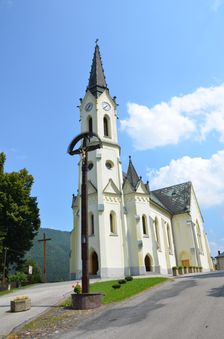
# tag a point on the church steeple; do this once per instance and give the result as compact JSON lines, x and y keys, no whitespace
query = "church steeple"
{"x":97,"y":82}
{"x":132,"y":175}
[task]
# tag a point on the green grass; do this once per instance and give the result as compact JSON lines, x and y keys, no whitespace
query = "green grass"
{"x":5,"y":292}
{"x":16,"y":289}
{"x":126,"y":290}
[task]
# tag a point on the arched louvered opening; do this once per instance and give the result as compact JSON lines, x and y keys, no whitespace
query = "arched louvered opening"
{"x":90,"y":124}
{"x":106,"y":126}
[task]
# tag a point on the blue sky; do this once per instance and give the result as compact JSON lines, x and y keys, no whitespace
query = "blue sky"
{"x":164,"y":62}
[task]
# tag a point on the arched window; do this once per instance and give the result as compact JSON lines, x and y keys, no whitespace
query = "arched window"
{"x":113,"y":226}
{"x":168,"y":236}
{"x":90,"y":124}
{"x":199,"y":237}
{"x":91,"y":224}
{"x":157,"y":231}
{"x":144,"y":225}
{"x":106,"y":126}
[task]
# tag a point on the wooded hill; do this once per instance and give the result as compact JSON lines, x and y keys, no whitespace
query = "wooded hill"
{"x":58,"y":249}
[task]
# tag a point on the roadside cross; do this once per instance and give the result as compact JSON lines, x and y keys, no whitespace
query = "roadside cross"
{"x":44,"y":240}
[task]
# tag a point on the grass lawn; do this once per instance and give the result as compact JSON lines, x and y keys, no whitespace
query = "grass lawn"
{"x":16,"y":289}
{"x":5,"y":292}
{"x":126,"y":290}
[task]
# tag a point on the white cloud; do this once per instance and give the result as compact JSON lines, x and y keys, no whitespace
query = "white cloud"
{"x":192,"y":115}
{"x":205,"y":174}
{"x":216,"y":4}
{"x":216,"y":246}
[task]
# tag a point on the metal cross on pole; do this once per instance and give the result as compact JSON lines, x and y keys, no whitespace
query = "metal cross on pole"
{"x":44,"y":240}
{"x":87,"y":145}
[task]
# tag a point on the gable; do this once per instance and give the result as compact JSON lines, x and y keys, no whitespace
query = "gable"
{"x":141,"y":188}
{"x":91,"y":188}
{"x":111,"y":188}
{"x":127,"y":189}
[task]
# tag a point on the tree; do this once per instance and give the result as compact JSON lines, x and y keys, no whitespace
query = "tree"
{"x":2,"y":236}
{"x":19,"y":213}
{"x":36,"y":276}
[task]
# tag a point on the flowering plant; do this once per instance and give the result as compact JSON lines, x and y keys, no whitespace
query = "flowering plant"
{"x":77,"y":288}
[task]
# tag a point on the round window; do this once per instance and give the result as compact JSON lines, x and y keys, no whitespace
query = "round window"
{"x":109,"y":165}
{"x":90,"y":166}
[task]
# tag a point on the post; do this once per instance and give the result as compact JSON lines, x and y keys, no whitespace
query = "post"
{"x":45,"y":255}
{"x":83,"y":150}
{"x":84,"y":222}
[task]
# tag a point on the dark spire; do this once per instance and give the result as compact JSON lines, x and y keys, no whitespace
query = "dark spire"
{"x":132,"y":175}
{"x":97,"y":82}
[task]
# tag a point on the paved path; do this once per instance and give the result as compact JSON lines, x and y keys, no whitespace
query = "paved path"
{"x":187,"y":308}
{"x":42,"y":297}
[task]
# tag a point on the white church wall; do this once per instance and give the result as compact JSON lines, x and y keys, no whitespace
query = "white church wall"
{"x":185,"y":247}
{"x":132,"y":234}
{"x":166,"y":258}
{"x":114,"y":265}
{"x":204,"y":257}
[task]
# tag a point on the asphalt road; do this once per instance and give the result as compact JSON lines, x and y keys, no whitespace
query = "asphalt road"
{"x":186,"y":308}
{"x":42,"y":297}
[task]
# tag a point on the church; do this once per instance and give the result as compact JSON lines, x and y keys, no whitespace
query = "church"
{"x":132,"y":230}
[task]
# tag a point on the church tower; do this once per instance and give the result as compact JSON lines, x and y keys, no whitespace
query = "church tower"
{"x":106,"y":222}
{"x":132,"y":230}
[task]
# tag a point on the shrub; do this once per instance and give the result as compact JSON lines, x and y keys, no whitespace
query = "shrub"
{"x":77,"y":288}
{"x":18,"y":277}
{"x":122,"y":281}
{"x":129,"y":278}
{"x":115,"y":286}
{"x":36,"y":276}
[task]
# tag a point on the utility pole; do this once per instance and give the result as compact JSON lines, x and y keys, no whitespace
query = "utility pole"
{"x":44,"y":240}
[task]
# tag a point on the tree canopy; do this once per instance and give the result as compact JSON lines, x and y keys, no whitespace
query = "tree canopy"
{"x":19,"y":213}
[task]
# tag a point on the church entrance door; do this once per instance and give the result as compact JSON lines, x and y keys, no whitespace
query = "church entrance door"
{"x":148,"y":267}
{"x":185,"y":262}
{"x":94,"y":263}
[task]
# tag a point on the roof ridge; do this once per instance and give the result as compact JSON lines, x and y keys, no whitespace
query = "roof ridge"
{"x":175,"y":185}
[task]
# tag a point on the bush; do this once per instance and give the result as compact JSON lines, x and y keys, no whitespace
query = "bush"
{"x":77,"y":288}
{"x":115,"y":286}
{"x":129,"y":278}
{"x":18,"y":277}
{"x":122,"y":281}
{"x":36,"y":276}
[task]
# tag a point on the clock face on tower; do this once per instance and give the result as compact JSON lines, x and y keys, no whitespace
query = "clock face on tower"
{"x":88,"y":106}
{"x":106,"y":106}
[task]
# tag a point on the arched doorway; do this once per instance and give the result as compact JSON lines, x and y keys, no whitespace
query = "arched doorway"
{"x":94,"y":263}
{"x":148,"y":264}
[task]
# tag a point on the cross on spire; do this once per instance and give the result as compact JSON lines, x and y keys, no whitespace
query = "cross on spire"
{"x":97,"y":81}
